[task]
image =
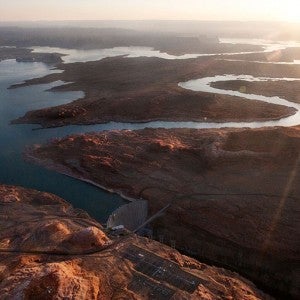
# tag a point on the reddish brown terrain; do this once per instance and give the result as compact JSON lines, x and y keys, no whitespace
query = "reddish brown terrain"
{"x":234,"y":193}
{"x":49,"y":250}
{"x":146,"y":89}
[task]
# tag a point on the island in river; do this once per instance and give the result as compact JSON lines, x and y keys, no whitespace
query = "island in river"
{"x":234,"y":193}
{"x":49,"y":250}
{"x":27,"y":55}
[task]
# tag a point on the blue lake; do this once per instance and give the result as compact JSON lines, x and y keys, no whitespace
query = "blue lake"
{"x":14,"y":138}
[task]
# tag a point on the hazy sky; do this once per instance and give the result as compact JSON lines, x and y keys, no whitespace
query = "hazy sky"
{"x":20,"y":10}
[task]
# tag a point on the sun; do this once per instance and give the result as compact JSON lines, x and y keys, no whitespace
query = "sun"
{"x":290,"y":10}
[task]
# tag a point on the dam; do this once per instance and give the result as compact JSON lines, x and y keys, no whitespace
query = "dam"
{"x":131,"y":215}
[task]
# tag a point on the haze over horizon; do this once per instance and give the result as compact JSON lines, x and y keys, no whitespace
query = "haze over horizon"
{"x":197,"y":10}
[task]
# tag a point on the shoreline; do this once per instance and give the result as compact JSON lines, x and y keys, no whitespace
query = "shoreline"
{"x":24,"y":120}
{"x":64,"y":171}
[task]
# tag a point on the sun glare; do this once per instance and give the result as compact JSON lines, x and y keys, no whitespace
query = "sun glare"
{"x":291,"y":11}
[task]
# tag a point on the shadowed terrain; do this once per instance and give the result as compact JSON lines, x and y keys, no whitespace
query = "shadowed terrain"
{"x":233,"y":192}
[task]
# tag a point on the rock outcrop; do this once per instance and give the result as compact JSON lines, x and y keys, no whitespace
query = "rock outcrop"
{"x":49,"y":250}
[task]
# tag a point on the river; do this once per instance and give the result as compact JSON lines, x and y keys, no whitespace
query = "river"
{"x":15,"y":102}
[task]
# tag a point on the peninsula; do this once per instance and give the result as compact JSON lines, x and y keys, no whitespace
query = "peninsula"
{"x":146,"y":89}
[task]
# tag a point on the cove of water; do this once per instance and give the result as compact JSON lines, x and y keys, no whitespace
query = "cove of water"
{"x":14,"y":138}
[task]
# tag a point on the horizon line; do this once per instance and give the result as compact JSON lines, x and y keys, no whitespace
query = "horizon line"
{"x":148,"y":20}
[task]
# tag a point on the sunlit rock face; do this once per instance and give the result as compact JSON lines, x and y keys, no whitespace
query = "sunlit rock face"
{"x":49,"y":250}
{"x":37,"y":221}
